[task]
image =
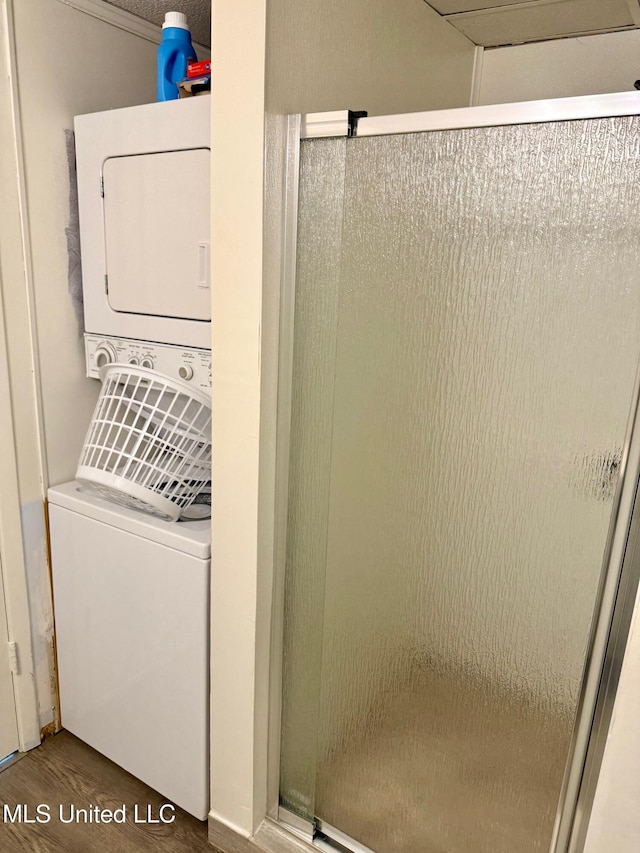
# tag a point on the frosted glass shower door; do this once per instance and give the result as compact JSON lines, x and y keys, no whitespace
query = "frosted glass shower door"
{"x":467,"y":334}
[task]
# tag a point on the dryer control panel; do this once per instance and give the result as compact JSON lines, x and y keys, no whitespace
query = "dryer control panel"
{"x":186,"y":363}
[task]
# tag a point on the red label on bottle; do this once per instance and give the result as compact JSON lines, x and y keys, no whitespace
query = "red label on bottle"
{"x":199,"y":69}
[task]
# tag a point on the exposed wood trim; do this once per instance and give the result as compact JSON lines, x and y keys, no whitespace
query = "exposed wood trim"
{"x":49,"y":730}
{"x":126,"y":21}
{"x":56,"y":724}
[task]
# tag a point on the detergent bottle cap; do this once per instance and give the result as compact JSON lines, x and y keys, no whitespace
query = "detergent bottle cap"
{"x":175,"y":19}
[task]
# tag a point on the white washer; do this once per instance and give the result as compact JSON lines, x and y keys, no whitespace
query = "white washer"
{"x":131,"y":596}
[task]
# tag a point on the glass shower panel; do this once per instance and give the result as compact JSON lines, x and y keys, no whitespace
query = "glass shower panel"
{"x":476,"y":383}
{"x":322,"y":168}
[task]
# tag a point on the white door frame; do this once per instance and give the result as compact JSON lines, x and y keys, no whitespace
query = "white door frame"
{"x":12,"y":563}
{"x":18,"y":370}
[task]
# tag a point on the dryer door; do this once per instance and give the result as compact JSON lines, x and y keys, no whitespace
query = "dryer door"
{"x":156,"y":231}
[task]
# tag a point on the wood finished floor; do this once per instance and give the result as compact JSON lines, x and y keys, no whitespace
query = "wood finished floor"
{"x":63,"y":770}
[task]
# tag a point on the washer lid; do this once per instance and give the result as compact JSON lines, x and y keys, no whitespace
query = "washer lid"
{"x":189,"y":537}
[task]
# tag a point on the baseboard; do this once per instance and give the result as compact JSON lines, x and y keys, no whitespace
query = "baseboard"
{"x":228,"y":841}
{"x":270,"y":838}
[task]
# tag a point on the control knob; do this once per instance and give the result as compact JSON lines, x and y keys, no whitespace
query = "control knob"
{"x":185,"y":371}
{"x":105,"y":354}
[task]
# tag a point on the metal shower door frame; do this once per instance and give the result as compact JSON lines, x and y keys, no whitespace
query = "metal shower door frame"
{"x":620,"y":574}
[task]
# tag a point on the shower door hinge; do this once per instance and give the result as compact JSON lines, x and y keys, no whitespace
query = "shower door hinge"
{"x":13,"y":658}
{"x":106,"y":284}
{"x":101,"y":186}
{"x":334,"y":123}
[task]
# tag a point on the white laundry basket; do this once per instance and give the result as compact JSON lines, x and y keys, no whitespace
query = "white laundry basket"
{"x":149,"y":442}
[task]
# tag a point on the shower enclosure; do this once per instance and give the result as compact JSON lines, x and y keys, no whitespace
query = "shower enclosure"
{"x":461,"y":471}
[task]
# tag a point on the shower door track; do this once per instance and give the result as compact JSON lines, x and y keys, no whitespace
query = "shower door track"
{"x":620,"y":574}
{"x":320,"y":834}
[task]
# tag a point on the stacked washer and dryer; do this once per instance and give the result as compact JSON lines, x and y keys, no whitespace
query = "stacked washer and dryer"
{"x":131,"y":588}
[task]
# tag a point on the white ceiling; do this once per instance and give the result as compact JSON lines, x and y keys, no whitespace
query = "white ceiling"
{"x":485,"y":22}
{"x":198,"y":14}
{"x":500,"y":22}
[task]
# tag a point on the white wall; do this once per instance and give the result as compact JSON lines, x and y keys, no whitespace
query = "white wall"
{"x":561,"y":68}
{"x":384,"y":57}
{"x":66,"y":62}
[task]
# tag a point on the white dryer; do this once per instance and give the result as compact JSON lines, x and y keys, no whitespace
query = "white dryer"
{"x":131,"y":596}
{"x":144,"y":207}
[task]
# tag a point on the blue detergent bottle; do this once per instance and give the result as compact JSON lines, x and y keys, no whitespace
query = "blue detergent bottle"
{"x":174,"y":52}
